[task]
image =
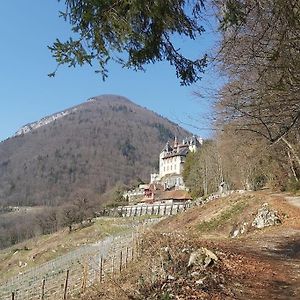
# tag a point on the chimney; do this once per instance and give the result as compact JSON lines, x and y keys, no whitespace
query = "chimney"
{"x":175,"y":142}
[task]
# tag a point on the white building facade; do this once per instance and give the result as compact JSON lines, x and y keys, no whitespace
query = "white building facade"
{"x":172,"y":158}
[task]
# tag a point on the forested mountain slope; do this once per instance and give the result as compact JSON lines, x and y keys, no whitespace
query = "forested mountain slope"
{"x":92,"y":146}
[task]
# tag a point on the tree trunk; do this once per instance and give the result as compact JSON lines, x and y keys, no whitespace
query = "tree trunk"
{"x":292,"y":150}
{"x":292,"y":166}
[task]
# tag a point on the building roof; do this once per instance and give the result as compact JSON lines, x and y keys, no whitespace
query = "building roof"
{"x":182,"y":151}
{"x":194,"y":141}
{"x":168,"y":148}
{"x":175,"y":195}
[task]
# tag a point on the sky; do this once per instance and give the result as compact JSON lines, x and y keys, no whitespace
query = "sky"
{"x":27,"y":94}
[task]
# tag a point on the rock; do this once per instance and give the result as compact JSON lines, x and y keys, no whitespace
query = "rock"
{"x":244,"y":228}
{"x":234,"y":232}
{"x":265,"y":217}
{"x":195,"y":274}
{"x":202,"y":257}
{"x":200,"y":281}
{"x":239,"y":229}
{"x":185,"y":250}
{"x":22,"y":264}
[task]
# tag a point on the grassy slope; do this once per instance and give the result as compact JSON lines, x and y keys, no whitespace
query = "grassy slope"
{"x":44,"y":248}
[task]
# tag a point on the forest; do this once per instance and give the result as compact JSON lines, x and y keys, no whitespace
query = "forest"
{"x":257,"y":112}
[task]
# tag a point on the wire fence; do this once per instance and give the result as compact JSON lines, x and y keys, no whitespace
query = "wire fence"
{"x":73,"y":273}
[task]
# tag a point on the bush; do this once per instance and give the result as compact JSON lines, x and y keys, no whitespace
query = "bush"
{"x":293,"y":186}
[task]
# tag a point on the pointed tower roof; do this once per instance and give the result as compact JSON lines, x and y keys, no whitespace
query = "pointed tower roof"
{"x":168,"y":148}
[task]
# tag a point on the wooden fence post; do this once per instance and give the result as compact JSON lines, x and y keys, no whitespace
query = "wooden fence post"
{"x":136,"y":245}
{"x":165,"y":210}
{"x":126,"y":258}
{"x":158,"y":210}
{"x":84,"y":277}
{"x":66,"y":285}
{"x":171,"y":210}
{"x":101,"y":268}
{"x":12,"y":295}
{"x":113,"y":266}
{"x":141,"y":248}
{"x":132,"y":248}
{"x":43,"y":289}
{"x":121,"y":261}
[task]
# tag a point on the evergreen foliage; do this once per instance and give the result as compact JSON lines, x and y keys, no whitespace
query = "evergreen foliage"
{"x":133,"y":33}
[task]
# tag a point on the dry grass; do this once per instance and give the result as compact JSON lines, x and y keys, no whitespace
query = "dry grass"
{"x":44,"y":248}
{"x":254,"y":266}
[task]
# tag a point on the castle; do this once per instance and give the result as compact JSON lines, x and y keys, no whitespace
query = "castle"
{"x":171,"y":161}
{"x":169,"y":178}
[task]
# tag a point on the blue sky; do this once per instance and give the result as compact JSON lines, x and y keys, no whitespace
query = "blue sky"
{"x":28,"y":94}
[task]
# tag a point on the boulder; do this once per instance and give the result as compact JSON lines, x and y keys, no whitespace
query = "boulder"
{"x":238,"y":230}
{"x":202,"y":258}
{"x":265,"y":217}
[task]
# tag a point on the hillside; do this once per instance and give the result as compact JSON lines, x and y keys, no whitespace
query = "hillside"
{"x":190,"y":255}
{"x":90,"y":147}
{"x":193,"y":255}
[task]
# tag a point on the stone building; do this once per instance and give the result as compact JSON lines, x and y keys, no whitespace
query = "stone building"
{"x":171,"y":162}
{"x":169,"y":178}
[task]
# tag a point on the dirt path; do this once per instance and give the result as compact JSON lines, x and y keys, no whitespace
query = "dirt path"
{"x":295,"y":201}
{"x":264,"y":263}
{"x":275,"y":260}
{"x":276,"y":255}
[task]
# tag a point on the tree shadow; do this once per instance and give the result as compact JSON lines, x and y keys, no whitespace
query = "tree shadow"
{"x":288,"y":250}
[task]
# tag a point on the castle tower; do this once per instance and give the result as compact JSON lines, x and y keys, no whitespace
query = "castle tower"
{"x":175,"y":142}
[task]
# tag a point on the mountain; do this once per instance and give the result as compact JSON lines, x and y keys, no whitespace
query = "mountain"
{"x":90,"y":147}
